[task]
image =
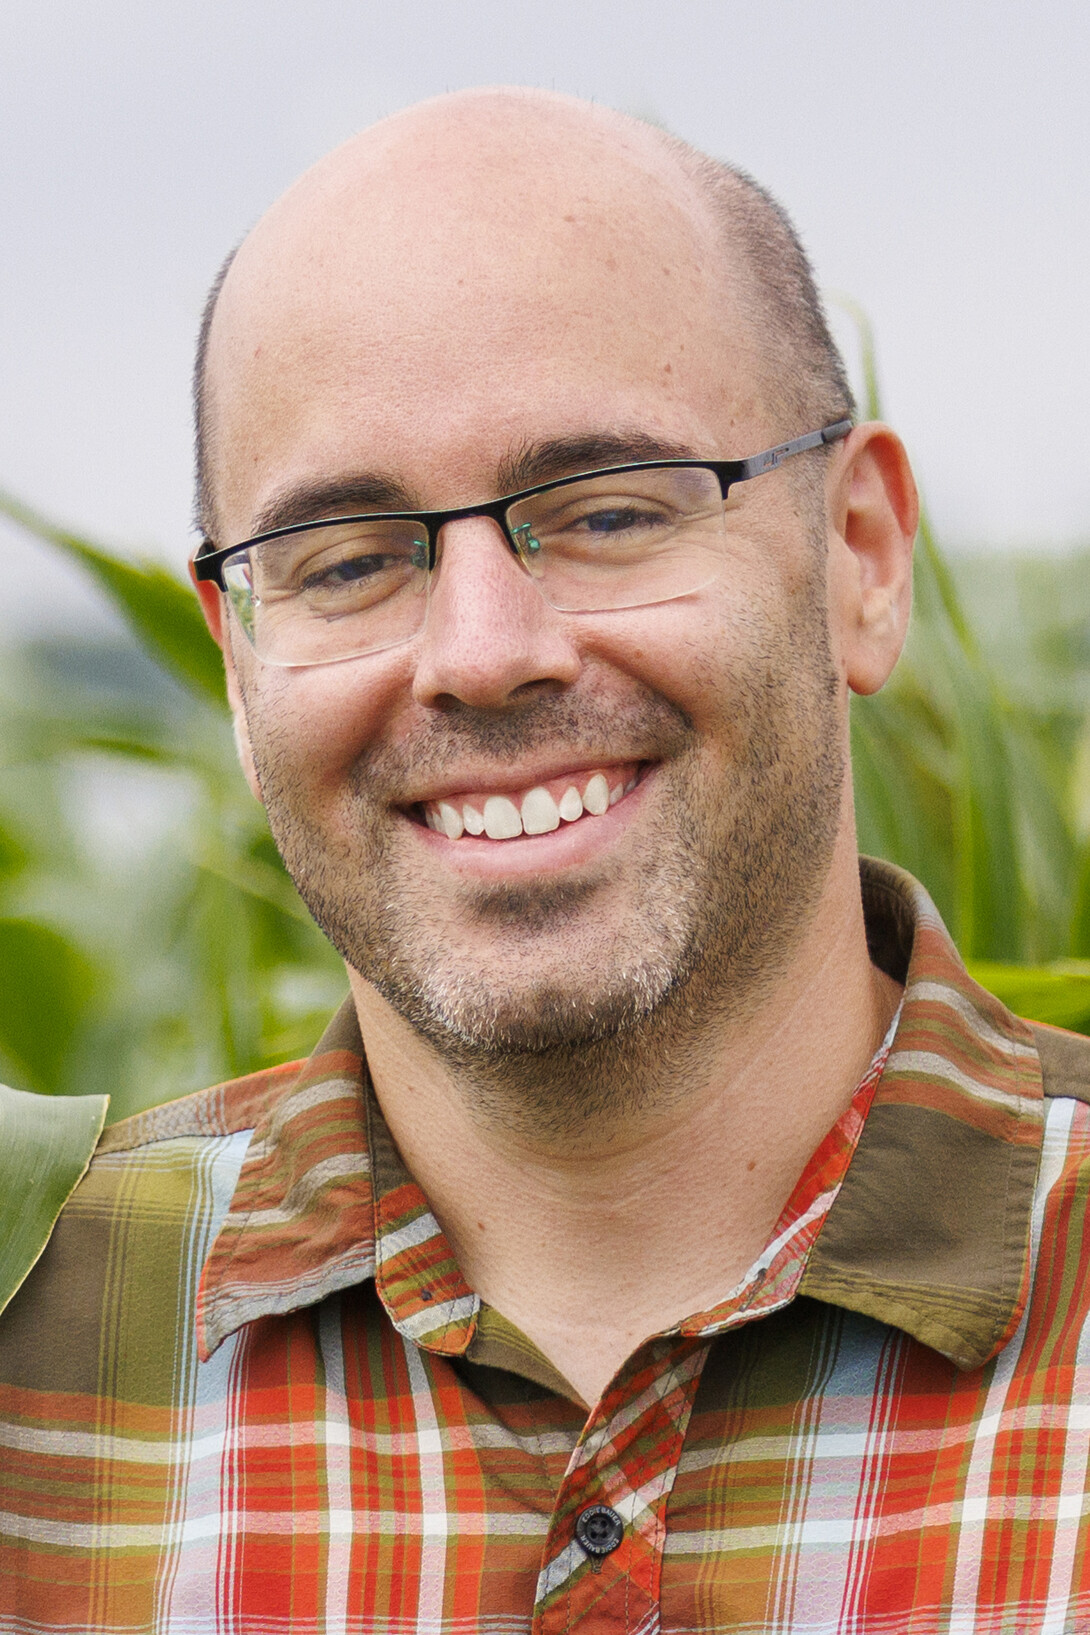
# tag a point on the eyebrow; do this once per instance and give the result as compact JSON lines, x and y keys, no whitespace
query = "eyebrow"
{"x":565,"y":456}
{"x":330,"y":497}
{"x":533,"y":463}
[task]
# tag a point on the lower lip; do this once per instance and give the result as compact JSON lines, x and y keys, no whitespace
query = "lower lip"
{"x":568,"y":847}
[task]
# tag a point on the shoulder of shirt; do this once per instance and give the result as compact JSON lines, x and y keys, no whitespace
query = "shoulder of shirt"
{"x":49,"y":1145}
{"x":1065,"y":1062}
{"x":222,"y":1109}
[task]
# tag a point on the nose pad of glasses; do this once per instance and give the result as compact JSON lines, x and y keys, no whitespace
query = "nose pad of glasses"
{"x":528,"y":548}
{"x":524,"y":538}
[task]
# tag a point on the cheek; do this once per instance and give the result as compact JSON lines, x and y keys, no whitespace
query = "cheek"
{"x":701,"y":652}
{"x":308,"y":727}
{"x":753,"y":672}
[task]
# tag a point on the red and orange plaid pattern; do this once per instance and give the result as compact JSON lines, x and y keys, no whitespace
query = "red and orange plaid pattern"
{"x":884,"y":1428}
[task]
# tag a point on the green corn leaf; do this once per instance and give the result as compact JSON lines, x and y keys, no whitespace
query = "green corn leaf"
{"x":45,"y":1147}
{"x":940,"y":787}
{"x":162,"y":612}
{"x":250,"y":876}
{"x":871,"y":405}
{"x":45,"y":992}
{"x":902,"y":798}
{"x":935,"y":780}
{"x":988,"y":861}
{"x":1080,"y":920}
{"x":1057,"y":993}
{"x":934,"y":588}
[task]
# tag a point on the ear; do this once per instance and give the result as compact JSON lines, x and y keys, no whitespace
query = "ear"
{"x":873,"y":513}
{"x":214,"y":607}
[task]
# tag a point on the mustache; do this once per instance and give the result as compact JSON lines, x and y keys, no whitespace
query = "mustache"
{"x":646,"y":727}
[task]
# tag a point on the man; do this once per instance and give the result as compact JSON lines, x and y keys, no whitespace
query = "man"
{"x":660,"y":1238}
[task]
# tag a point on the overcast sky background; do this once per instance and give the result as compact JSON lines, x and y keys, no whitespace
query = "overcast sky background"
{"x":935,"y":156}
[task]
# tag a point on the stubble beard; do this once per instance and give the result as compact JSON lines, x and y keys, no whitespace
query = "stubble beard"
{"x":712,"y":908}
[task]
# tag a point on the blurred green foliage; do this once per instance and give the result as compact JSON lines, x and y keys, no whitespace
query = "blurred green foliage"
{"x":972,"y":766}
{"x":149,"y":937}
{"x":151,"y":942}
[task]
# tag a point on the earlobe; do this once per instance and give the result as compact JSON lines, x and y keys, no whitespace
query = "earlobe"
{"x":874,"y":510}
{"x":211,"y":599}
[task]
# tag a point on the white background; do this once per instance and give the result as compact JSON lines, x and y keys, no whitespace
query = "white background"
{"x":935,"y":156}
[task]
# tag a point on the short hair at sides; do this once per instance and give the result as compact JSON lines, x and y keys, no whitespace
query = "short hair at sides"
{"x":806,"y":385}
{"x":205,"y":503}
{"x":807,"y":382}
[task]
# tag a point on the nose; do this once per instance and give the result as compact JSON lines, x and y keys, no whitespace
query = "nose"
{"x":490,"y":637}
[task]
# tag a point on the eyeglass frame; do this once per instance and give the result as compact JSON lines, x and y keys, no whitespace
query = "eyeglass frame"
{"x":208,"y":562}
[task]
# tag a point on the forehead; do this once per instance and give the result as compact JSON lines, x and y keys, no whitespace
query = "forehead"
{"x":427,"y":303}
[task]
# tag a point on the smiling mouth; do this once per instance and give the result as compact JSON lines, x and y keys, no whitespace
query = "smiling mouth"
{"x":535,"y":811}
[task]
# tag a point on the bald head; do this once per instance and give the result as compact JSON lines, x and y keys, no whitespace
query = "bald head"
{"x":485,"y":226}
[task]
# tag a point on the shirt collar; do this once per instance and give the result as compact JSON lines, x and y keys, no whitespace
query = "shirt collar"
{"x":931,"y":1228}
{"x":928,"y":1229}
{"x":323,"y":1202}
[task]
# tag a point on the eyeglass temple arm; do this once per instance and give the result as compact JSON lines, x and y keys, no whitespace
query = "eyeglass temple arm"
{"x":770,"y":458}
{"x":206,"y":563}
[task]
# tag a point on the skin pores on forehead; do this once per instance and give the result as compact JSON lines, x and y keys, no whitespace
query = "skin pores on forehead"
{"x":445,"y":279}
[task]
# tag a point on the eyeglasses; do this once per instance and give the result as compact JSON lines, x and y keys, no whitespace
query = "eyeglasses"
{"x":628,"y":536}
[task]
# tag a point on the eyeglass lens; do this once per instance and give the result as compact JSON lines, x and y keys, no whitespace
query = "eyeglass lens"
{"x":612,"y":541}
{"x":334,"y":592}
{"x":622,"y":540}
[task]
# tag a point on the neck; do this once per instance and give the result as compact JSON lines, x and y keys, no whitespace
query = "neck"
{"x":695,"y":1174}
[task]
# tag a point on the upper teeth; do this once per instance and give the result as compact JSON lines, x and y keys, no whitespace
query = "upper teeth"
{"x":537,"y":813}
{"x":451,"y":820}
{"x":596,"y":795}
{"x":502,"y":819}
{"x":571,"y":804}
{"x":540,"y":813}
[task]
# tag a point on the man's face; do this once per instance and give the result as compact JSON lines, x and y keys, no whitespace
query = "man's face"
{"x":437,"y":360}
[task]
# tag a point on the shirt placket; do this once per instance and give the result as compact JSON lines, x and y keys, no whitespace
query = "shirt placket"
{"x":602,"y":1562}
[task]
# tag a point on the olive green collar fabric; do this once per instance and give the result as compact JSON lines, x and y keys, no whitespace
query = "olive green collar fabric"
{"x":930,"y":1231}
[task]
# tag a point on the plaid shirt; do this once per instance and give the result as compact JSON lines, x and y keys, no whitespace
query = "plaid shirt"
{"x":246,"y":1388}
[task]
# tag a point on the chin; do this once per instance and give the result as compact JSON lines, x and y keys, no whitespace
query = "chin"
{"x":495,"y":1021}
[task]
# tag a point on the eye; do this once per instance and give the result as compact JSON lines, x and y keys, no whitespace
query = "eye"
{"x":348,"y":571}
{"x":619,"y":519}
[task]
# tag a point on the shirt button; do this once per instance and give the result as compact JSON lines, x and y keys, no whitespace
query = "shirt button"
{"x":599,"y":1529}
